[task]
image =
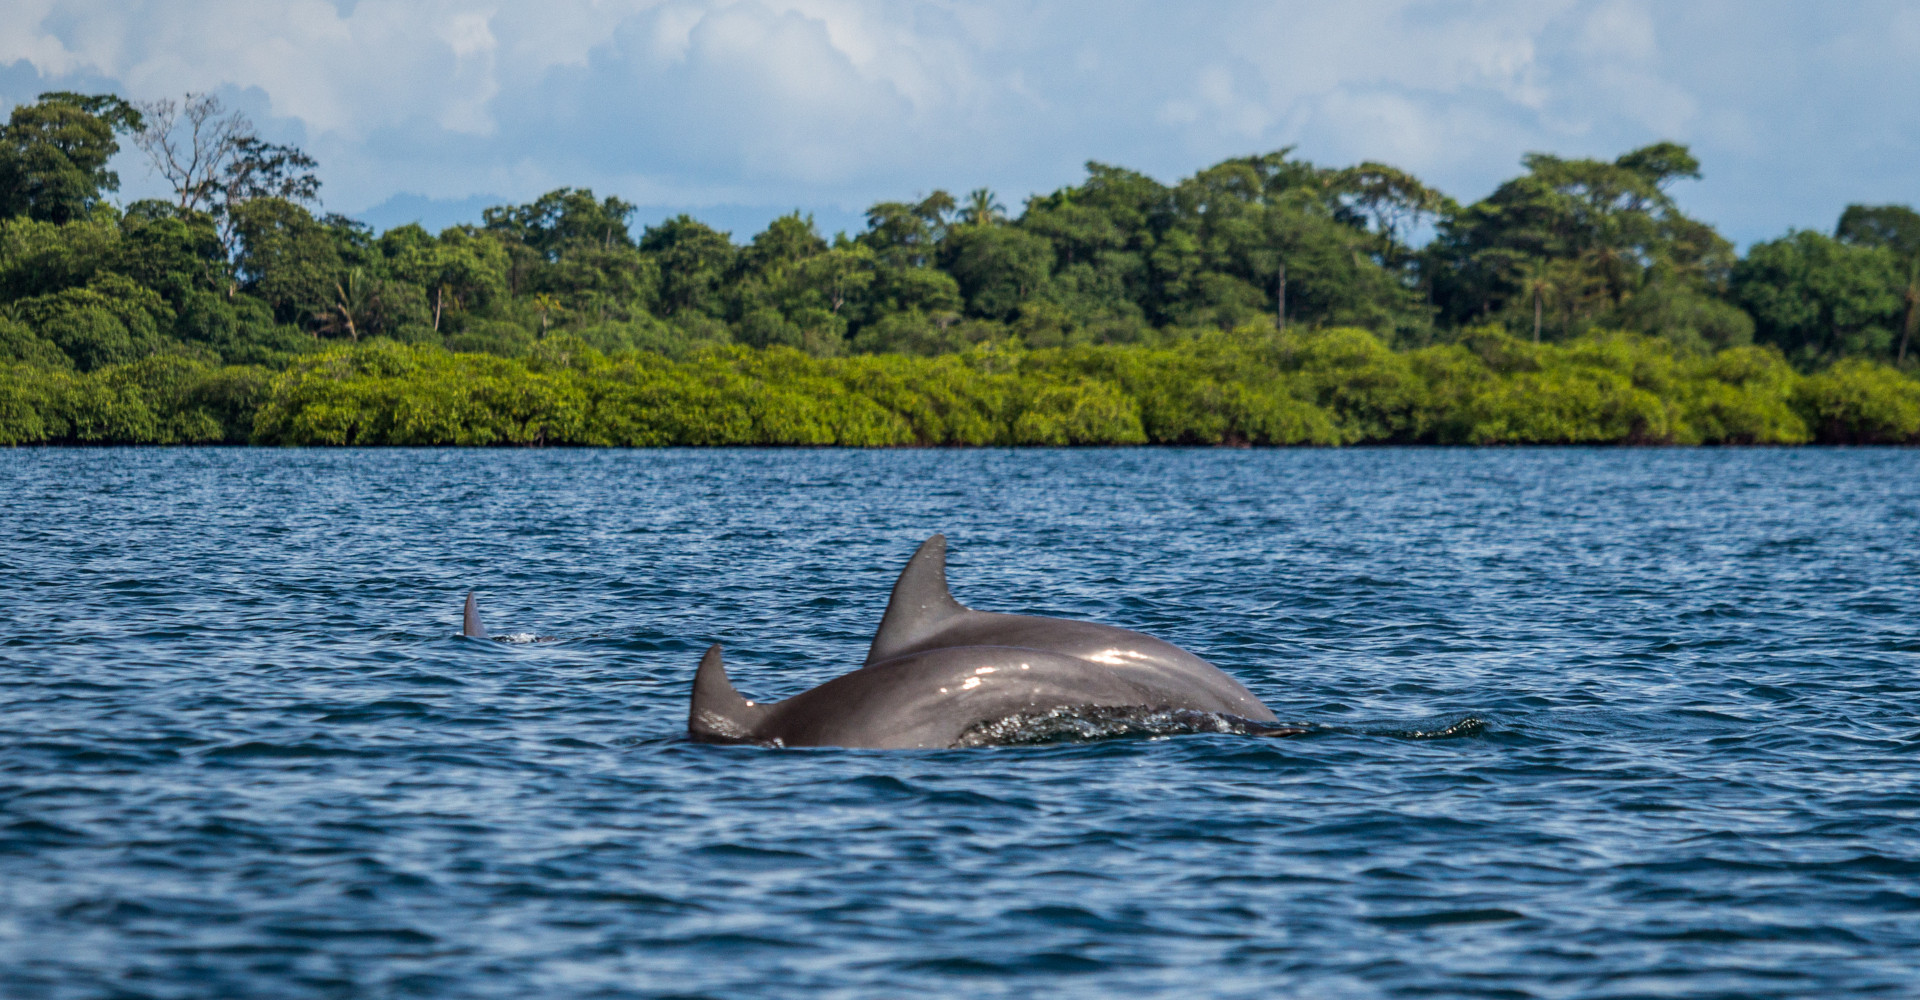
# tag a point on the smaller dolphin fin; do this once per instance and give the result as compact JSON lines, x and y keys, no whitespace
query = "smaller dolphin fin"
{"x":921,"y":603}
{"x":470,"y":620}
{"x":719,"y":714}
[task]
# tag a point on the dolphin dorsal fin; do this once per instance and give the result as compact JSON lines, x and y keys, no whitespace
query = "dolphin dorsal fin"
{"x":470,"y":620}
{"x":718,"y":712}
{"x":920,"y":605}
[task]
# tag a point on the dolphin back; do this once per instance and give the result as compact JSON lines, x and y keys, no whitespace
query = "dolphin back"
{"x":937,"y":671}
{"x":920,"y":606}
{"x":719,"y":713}
{"x":923,"y":616}
{"x":470,"y":620}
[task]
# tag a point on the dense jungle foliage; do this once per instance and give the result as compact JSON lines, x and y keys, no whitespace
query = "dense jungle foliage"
{"x":1264,"y":300}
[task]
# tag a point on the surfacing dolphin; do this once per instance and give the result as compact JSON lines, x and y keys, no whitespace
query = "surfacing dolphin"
{"x":470,"y":620}
{"x":471,"y":627}
{"x":939,"y":673}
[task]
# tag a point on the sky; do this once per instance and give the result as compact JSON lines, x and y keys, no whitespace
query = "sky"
{"x":736,"y":112}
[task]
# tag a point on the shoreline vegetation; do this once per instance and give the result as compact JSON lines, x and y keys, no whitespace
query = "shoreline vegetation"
{"x":1326,"y":388}
{"x":1262,"y":301}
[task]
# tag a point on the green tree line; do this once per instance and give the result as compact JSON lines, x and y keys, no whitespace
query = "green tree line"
{"x":1251,"y":386}
{"x":236,"y":311}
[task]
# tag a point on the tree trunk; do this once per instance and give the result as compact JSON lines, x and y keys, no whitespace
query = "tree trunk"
{"x":1536,"y":315}
{"x":1912,"y":320}
{"x":439,"y":293}
{"x":1280,"y":297}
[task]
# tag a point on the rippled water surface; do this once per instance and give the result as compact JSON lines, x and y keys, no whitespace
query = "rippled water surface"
{"x":1583,"y":724}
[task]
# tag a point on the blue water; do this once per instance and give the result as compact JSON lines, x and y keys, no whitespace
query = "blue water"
{"x":1597,"y":723}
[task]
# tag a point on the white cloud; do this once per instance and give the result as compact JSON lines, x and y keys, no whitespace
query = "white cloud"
{"x":26,"y":37}
{"x":841,"y":102}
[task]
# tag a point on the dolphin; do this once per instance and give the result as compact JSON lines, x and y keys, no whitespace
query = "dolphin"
{"x":470,"y":620}
{"x":471,"y":627}
{"x":938,"y":670}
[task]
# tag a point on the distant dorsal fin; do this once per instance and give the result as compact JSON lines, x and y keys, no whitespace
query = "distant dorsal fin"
{"x":718,"y":713}
{"x":921,"y":603}
{"x":470,"y":620}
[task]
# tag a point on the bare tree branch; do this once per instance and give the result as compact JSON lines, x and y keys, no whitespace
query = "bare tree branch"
{"x":216,"y":161}
{"x":190,"y":143}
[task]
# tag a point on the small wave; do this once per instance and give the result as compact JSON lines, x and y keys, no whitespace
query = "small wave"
{"x":1087,"y":723}
{"x":1470,"y":726}
{"x":260,"y":749}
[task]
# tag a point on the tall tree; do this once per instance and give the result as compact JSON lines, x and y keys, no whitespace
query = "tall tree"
{"x":998,"y":267}
{"x":1611,"y":228}
{"x":346,"y":312}
{"x":1539,"y":282}
{"x":289,"y":259}
{"x":459,"y":270}
{"x":1897,"y":228}
{"x":982,"y":208}
{"x":908,"y":234}
{"x":54,"y":154}
{"x":189,"y":143}
{"x":1395,"y":203}
{"x":562,"y":220}
{"x":786,"y":240}
{"x":694,"y":260}
{"x":1819,"y":299}
{"x":216,"y":161}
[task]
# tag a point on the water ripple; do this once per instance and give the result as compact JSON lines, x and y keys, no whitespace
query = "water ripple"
{"x":1578,"y":723}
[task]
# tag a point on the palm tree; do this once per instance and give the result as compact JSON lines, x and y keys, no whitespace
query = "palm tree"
{"x":1613,"y":269}
{"x":983,"y":209}
{"x":348,"y":307}
{"x":1912,"y":318}
{"x":546,"y":305}
{"x":1539,"y":281}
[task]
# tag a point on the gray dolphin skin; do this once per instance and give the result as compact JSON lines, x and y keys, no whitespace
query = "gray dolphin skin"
{"x":470,"y":620}
{"x":938,"y":670}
